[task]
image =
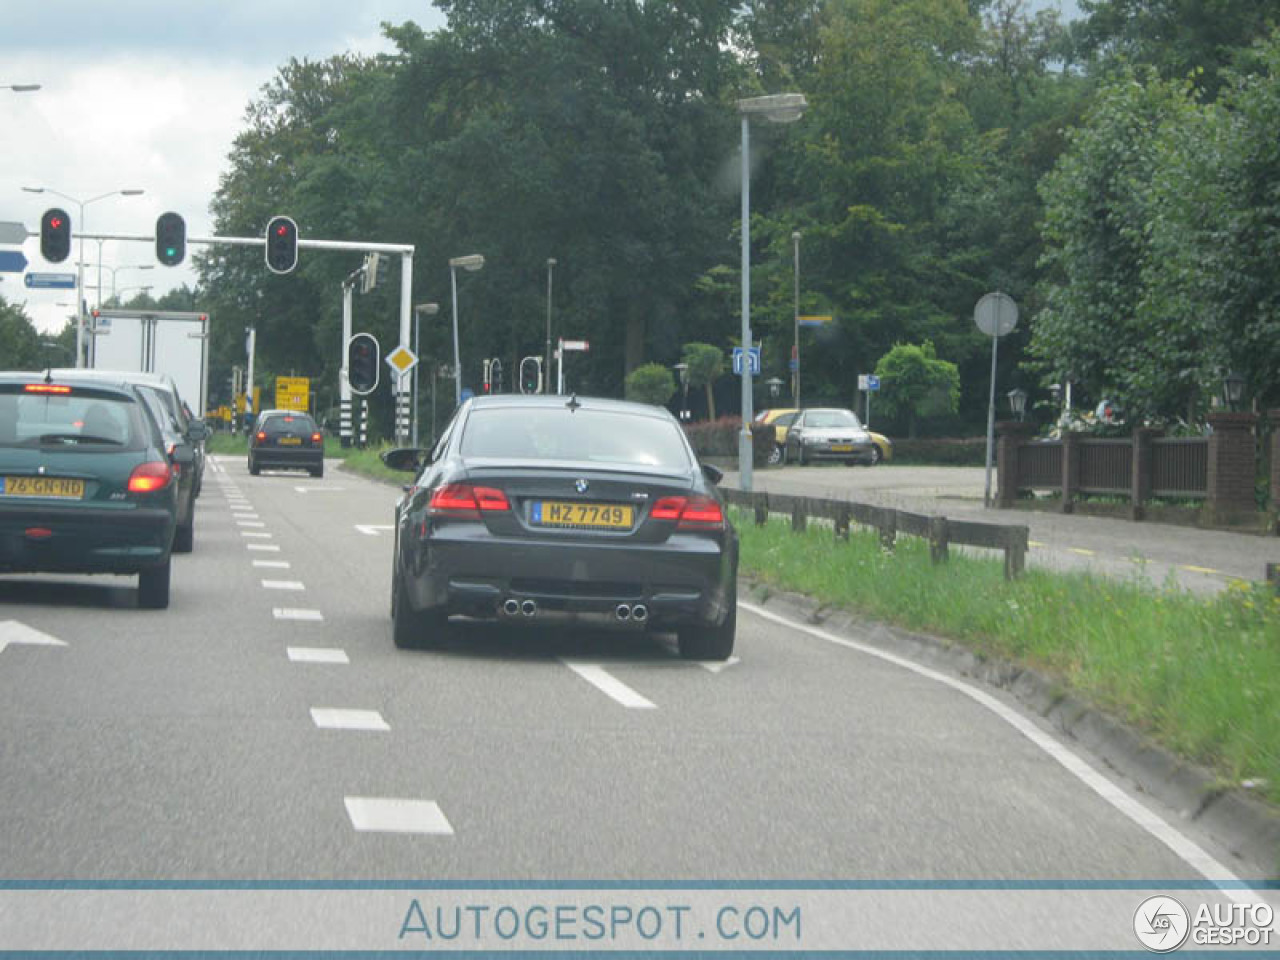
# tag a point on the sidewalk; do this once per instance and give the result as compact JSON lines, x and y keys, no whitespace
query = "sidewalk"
{"x":1201,"y":561}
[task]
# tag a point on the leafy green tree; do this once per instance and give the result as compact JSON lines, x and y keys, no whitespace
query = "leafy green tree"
{"x":706,"y":366}
{"x":650,"y":383}
{"x":20,"y":342}
{"x":916,"y":384}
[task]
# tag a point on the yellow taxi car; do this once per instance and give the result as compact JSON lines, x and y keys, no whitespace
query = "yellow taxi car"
{"x":783,"y":417}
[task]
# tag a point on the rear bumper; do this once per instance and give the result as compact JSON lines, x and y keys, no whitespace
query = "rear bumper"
{"x":285,"y":458}
{"x":687,"y":580}
{"x":36,"y":539}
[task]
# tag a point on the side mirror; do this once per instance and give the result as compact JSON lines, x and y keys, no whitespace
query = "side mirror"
{"x":404,"y":458}
{"x":184,"y":454}
{"x":197,"y":431}
{"x":713,"y":473}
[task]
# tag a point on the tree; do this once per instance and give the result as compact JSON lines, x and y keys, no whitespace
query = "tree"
{"x":650,"y":383}
{"x":915,"y":383}
{"x":706,"y":366}
{"x":20,"y":343}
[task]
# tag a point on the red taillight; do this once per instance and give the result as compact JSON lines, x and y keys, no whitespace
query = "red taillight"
{"x":465,"y":500}
{"x":261,"y":437}
{"x":47,"y":388}
{"x":692,"y":513}
{"x":317,"y":438}
{"x":150,"y":477}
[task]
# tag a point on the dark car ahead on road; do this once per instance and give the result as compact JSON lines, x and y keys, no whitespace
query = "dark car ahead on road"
{"x":86,"y":485}
{"x":828,"y":433}
{"x":286,"y":440}
{"x":537,"y":508}
{"x":160,"y":394}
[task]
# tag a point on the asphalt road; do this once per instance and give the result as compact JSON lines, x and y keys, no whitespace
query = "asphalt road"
{"x":1201,"y":561}
{"x":264,"y":727}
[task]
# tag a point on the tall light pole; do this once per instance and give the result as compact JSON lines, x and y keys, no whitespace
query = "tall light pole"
{"x":546,"y":382}
{"x":795,"y":349}
{"x":114,"y":271}
{"x":778,"y":108}
{"x":472,"y":262}
{"x":430,"y":309}
{"x":79,"y":230}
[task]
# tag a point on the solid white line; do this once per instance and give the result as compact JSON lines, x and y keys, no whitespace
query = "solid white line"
{"x":317,"y":655}
{"x":296,"y":613}
{"x":609,"y":685}
{"x":269,"y":547}
{"x":283,"y":585}
{"x":395,"y":815}
{"x":328,"y":718}
{"x":1181,"y":845}
{"x":273,"y":564}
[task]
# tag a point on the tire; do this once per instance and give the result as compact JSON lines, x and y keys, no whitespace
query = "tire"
{"x":318,"y":472}
{"x":184,"y":537}
{"x":775,"y":455}
{"x":800,"y":455}
{"x":254,"y":469}
{"x":709,"y":643}
{"x":876,"y":455}
{"x":153,"y":586}
{"x":785,"y":454}
{"x":412,"y":629}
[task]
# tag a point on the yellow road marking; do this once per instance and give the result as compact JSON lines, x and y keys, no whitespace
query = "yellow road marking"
{"x":1034,"y":543}
{"x":1082,"y":551}
{"x":1186,"y":566}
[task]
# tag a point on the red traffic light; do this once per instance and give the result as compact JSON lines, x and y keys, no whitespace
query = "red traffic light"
{"x":55,"y":235}
{"x":282,"y":245}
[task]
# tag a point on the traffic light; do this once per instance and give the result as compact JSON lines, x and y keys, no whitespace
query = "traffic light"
{"x":171,"y":239}
{"x":282,"y":245}
{"x":495,"y":375}
{"x":531,"y":375}
{"x":55,"y":235}
{"x":486,"y":385}
{"x":362,"y":363}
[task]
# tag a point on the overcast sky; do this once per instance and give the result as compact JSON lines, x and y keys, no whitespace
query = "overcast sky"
{"x":150,"y":95}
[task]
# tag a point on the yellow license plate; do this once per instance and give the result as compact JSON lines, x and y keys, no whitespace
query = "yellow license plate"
{"x":63,"y":487}
{"x":605,"y":516}
{"x":290,"y":441}
{"x":842,"y":448}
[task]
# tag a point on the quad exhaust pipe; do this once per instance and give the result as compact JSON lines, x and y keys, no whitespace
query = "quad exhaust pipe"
{"x":514,"y":608}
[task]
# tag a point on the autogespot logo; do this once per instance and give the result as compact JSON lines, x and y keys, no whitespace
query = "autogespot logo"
{"x":1162,"y":924}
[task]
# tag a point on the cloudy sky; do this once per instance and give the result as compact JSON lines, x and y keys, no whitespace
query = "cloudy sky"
{"x":139,"y":94}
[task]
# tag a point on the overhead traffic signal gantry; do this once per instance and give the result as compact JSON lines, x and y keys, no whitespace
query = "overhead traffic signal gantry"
{"x":171,"y":239}
{"x":282,"y":245}
{"x":55,"y":235}
{"x":362,"y":363}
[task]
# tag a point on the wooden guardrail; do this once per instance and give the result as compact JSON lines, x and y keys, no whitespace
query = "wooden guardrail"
{"x":941,"y":532}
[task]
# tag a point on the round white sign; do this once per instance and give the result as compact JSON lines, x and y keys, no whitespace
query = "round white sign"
{"x":996,"y":314}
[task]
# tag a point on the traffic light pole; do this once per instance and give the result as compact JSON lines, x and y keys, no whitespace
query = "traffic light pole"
{"x":344,"y":384}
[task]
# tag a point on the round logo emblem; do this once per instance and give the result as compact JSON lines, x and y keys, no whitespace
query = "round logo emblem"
{"x":1161,"y":924}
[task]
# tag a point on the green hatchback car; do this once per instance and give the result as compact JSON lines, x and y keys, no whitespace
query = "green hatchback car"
{"x":86,"y":484}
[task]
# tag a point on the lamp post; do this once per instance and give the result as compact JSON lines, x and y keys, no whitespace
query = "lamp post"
{"x":682,"y":369}
{"x":774,"y":385}
{"x":546,"y":382}
{"x":1018,"y":402}
{"x":430,"y":309}
{"x":113,"y":271}
{"x":79,"y":228}
{"x":778,"y":108}
{"x":795,"y":349}
{"x":1233,"y":390}
{"x":472,"y":262}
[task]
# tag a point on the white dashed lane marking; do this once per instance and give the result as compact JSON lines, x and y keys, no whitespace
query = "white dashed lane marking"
{"x":396,"y":815}
{"x":270,"y":547}
{"x":273,"y":564}
{"x":329,"y":718}
{"x":317,"y":655}
{"x":255,"y":533}
{"x":295,"y":613}
{"x":609,"y":685}
{"x":283,"y":585}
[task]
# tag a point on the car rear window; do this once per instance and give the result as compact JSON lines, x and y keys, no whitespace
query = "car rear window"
{"x":58,"y":415}
{"x":556,"y":433}
{"x":299,"y":423}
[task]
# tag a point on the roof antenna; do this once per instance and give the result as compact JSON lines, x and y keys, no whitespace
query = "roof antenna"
{"x":573,"y":403}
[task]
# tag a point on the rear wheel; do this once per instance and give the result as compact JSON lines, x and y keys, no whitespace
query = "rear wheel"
{"x":184,"y":538}
{"x":153,"y":587}
{"x":254,"y":469}
{"x":709,"y":643}
{"x":411,"y":629}
{"x":775,"y":455}
{"x":318,"y":471}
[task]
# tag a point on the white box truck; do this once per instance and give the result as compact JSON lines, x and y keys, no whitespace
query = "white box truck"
{"x":156,"y":341}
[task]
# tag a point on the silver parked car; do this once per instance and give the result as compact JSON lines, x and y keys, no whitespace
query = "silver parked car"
{"x":828,"y":433}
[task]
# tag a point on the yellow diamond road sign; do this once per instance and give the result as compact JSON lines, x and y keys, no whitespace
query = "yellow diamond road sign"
{"x":402,"y":360}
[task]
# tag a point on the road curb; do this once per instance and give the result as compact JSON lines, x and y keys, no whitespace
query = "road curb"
{"x":1243,"y":824}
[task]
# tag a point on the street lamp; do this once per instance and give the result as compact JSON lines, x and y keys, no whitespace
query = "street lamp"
{"x":114,"y":270}
{"x":683,"y":370}
{"x":20,"y":87}
{"x":774,"y":385}
{"x":430,"y":309}
{"x":472,"y":262}
{"x":546,"y":383}
{"x":778,"y":108}
{"x":133,"y":192}
{"x":1017,"y":402}
{"x":795,"y":348}
{"x":1233,"y":389}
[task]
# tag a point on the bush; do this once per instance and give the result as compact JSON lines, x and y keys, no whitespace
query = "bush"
{"x":942,"y":451}
{"x":719,"y":438}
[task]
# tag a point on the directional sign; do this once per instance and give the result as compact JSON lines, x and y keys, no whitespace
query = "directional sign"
{"x":402,"y":360}
{"x":13,"y":232}
{"x":813,"y":321}
{"x":868,"y":381}
{"x":755,"y":361}
{"x":12,"y":261}
{"x":575,"y":345}
{"x":50,"y":281}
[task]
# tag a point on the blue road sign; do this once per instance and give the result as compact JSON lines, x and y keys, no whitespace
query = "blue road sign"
{"x":50,"y":281}
{"x":12,"y":261}
{"x":873,"y":382}
{"x":755,"y":361}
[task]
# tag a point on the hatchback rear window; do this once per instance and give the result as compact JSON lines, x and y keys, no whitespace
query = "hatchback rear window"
{"x":57,"y":415}
{"x":291,"y":424}
{"x":556,"y":433}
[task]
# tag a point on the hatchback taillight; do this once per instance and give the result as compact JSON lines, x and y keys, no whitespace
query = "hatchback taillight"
{"x":317,"y":438}
{"x":466,"y":500}
{"x":261,"y":437}
{"x":690,"y":513}
{"x":150,"y":477}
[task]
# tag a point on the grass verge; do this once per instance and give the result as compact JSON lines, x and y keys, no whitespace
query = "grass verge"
{"x":1200,"y":676}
